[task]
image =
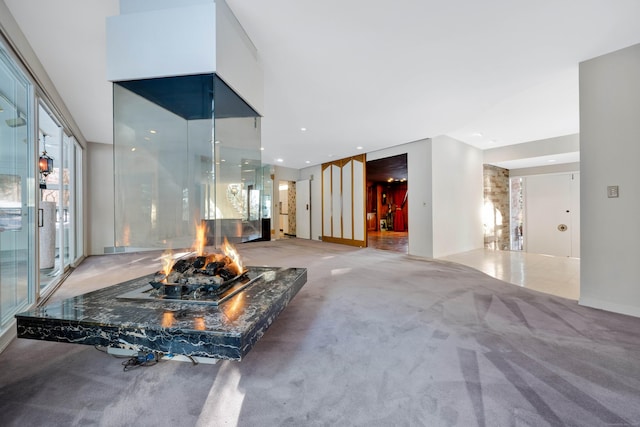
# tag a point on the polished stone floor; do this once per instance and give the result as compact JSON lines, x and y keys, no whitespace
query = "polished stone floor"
{"x":559,"y":276}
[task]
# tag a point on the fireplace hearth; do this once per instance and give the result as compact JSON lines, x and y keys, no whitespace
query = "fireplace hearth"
{"x":127,"y":316}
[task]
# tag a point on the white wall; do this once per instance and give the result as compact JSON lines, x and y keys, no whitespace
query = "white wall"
{"x":542,"y":170}
{"x":237,"y":58}
{"x":163,"y":42}
{"x":420,"y":221}
{"x":99,"y":198}
{"x":610,"y":149}
{"x":316,"y":199}
{"x":532,"y":149}
{"x":457,"y":197}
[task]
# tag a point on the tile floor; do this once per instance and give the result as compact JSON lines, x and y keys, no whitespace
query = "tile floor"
{"x":554,"y":275}
{"x":558,"y":276}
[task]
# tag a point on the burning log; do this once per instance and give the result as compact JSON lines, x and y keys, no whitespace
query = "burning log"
{"x":211,"y":273}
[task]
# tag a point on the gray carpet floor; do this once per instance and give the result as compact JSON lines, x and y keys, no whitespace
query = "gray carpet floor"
{"x":374,"y":338}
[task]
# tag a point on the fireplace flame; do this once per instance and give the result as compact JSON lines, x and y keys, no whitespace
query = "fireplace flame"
{"x":234,"y":256}
{"x":167,"y":262}
{"x":201,"y":239}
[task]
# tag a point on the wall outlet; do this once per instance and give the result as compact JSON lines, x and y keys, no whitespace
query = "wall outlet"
{"x":612,"y":191}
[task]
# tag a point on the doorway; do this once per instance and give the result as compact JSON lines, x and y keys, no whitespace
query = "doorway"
{"x":552,"y":214}
{"x":286,"y":224}
{"x":303,"y":209}
{"x":387,"y":204}
{"x":547,"y":214}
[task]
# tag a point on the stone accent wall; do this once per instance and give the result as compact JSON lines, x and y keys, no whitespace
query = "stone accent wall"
{"x":291,"y":207}
{"x":496,"y":216}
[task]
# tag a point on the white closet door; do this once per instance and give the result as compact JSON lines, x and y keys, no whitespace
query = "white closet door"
{"x":343,"y":201}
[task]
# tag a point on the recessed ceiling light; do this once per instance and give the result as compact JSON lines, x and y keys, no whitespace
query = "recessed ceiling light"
{"x":279,"y":160}
{"x":551,"y":160}
{"x":222,"y":160}
{"x":152,"y":131}
{"x":303,"y":129}
{"x":217,"y":142}
{"x":261,"y":148}
{"x":359,"y":148}
{"x":307,"y":161}
{"x":133,"y":149}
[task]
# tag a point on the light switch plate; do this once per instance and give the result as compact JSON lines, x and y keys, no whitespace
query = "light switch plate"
{"x":612,"y":191}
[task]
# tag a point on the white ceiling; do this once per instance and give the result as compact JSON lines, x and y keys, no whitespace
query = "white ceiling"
{"x":371,"y":73}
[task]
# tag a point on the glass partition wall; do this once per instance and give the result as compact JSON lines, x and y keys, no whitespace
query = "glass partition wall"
{"x":49,"y":225}
{"x":17,"y":193}
{"x":40,"y":194}
{"x":186,"y":155}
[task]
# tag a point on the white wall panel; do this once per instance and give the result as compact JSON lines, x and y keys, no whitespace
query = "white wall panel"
{"x":457,"y":197}
{"x":336,"y":202}
{"x":327,"y":202}
{"x":347,"y":201}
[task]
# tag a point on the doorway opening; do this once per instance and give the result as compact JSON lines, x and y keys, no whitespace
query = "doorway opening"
{"x":286,"y":225}
{"x":388,"y":204}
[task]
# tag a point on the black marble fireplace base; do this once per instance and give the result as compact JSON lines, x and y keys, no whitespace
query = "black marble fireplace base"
{"x":168,"y":326}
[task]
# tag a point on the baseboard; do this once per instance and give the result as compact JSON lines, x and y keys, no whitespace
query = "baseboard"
{"x":610,"y":306}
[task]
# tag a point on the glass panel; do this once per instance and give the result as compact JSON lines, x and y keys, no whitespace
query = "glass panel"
{"x":65,"y":212}
{"x":517,"y":213}
{"x":267,"y":192}
{"x":238,"y":179}
{"x":166,"y":163}
{"x":17,"y":185}
{"x":50,"y":227}
{"x":151,"y":156}
{"x":76,"y":204}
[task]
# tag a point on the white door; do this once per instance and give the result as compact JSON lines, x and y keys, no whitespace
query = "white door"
{"x":552,"y":215}
{"x":303,"y":209}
